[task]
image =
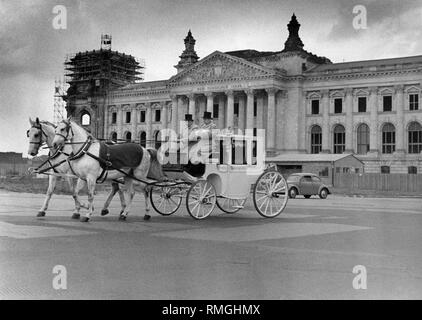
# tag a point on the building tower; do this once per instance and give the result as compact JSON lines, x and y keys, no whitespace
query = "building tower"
{"x":91,"y":75}
{"x":189,"y":55}
{"x":293,"y":42}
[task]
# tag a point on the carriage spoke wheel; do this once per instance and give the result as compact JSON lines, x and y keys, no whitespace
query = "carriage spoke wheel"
{"x":165,"y":200}
{"x":201,"y":199}
{"x":270,"y":194}
{"x":229,"y":205}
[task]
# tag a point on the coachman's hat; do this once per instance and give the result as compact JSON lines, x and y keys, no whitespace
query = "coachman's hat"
{"x":188,"y":117}
{"x":207,"y":115}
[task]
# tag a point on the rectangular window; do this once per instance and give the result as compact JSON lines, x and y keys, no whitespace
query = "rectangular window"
{"x":215,"y":111}
{"x":128,"y":116}
{"x":385,"y":169}
{"x":387,"y":103}
{"x":143,"y":115}
{"x":236,"y":109}
{"x":157,"y":115}
{"x":413,"y":102}
{"x":323,"y":172}
{"x":362,"y":104}
{"x":113,"y":117}
{"x":412,"y":170}
{"x":315,"y":106}
{"x":255,"y":108}
{"x":338,"y":105}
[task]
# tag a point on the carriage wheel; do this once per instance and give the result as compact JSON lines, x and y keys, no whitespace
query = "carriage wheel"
{"x":229,"y":205}
{"x":270,"y":194}
{"x":165,"y":200}
{"x":201,"y":199}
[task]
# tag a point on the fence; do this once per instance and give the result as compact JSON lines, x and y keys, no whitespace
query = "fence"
{"x":411,"y":183}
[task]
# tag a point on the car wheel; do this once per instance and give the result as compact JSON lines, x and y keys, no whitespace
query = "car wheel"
{"x":307,"y":196}
{"x":293,"y":193}
{"x":323,"y":193}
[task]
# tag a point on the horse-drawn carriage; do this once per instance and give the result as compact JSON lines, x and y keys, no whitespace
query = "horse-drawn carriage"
{"x":234,"y":167}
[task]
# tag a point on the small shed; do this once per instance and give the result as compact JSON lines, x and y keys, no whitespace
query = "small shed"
{"x":325,"y":165}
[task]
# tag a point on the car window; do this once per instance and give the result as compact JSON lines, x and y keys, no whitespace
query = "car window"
{"x":316,"y":179}
{"x":306,"y":179}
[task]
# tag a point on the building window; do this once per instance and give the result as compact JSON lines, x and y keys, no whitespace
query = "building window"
{"x":412,"y":170}
{"x":114,"y":117}
{"x":413,"y":102}
{"x":338,"y":105}
{"x":86,"y":119}
{"x":415,"y":138}
{"x":255,"y":108}
{"x":128,"y":136}
{"x":316,"y":139}
{"x":215,"y":111}
{"x":385,"y":169}
{"x":143,"y":139}
{"x":339,"y":139}
{"x":388,"y":138}
{"x":362,"y":104}
{"x":143,"y":115}
{"x":113,"y":136}
{"x":157,"y":138}
{"x":323,"y":172}
{"x":157,"y":115}
{"x":236,"y":109}
{"x":387,"y":103}
{"x":362,"y":139}
{"x":128,"y":114}
{"x":315,"y":106}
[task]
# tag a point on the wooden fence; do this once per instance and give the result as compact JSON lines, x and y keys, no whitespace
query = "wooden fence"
{"x":411,"y":183}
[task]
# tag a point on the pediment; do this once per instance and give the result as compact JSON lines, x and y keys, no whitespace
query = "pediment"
{"x":220,"y":66}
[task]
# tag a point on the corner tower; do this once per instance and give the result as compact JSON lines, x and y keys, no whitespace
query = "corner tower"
{"x":189,"y":55}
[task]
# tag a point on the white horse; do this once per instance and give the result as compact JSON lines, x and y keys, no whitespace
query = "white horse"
{"x":87,"y":165}
{"x":43,"y":132}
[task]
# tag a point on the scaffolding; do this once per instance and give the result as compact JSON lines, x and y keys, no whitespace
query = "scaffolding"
{"x":59,"y":111}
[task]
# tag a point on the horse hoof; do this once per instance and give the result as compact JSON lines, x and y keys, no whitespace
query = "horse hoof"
{"x":147,"y":217}
{"x":84,"y":219}
{"x":122,"y":217}
{"x":41,"y":214}
{"x":76,"y":216}
{"x":104,"y":212}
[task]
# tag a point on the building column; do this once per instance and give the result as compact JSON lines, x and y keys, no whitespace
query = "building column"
{"x":325,"y":121}
{"x":271,"y":120}
{"x":192,"y":106}
{"x":349,"y":120}
{"x":148,"y":119}
{"x":373,"y":127}
{"x":134,"y":121}
{"x":181,"y":111}
{"x":119,"y":122}
{"x":221,"y":118}
{"x":230,"y":110}
{"x":210,"y":102}
{"x":174,"y":112}
{"x":241,"y":116}
{"x":249,"y":109}
{"x":260,"y":113}
{"x":399,"y":101}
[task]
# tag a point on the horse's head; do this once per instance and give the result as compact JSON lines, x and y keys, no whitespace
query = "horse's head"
{"x":63,"y":133}
{"x":36,"y":135}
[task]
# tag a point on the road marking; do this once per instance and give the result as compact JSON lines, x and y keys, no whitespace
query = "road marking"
{"x":27,"y":232}
{"x":262,"y":232}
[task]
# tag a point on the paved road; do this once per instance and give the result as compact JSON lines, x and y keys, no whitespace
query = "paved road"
{"x":308,"y":252}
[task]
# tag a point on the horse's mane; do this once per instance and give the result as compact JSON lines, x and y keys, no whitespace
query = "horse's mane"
{"x":48,"y":123}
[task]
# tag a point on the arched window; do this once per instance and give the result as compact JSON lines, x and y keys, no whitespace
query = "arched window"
{"x":86,"y":119}
{"x":415,"y":137}
{"x":143,"y":139}
{"x":388,"y":138}
{"x":113,"y":136}
{"x":339,"y":139}
{"x":362,"y":139}
{"x":316,"y":139}
{"x":128,"y":136}
{"x":157,"y":138}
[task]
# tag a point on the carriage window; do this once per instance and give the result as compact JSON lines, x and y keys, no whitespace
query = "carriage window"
{"x":157,"y":115}
{"x":86,"y":119}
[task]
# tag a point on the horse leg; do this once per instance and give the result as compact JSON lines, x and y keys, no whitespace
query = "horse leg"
{"x":146,"y":190}
{"x":91,"y":189}
{"x":114,"y":189}
{"x":78,"y":187}
{"x":130,"y":192}
{"x":51,"y":185}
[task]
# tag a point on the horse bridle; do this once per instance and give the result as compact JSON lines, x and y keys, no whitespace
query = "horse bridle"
{"x":40,"y":133}
{"x":68,"y":129}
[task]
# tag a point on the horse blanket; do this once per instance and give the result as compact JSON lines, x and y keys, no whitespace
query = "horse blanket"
{"x":125,"y":155}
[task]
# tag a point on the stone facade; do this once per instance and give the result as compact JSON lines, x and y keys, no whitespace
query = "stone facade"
{"x":306,"y":103}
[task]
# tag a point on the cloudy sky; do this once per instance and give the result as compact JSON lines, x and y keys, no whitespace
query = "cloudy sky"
{"x":32,"y":52}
